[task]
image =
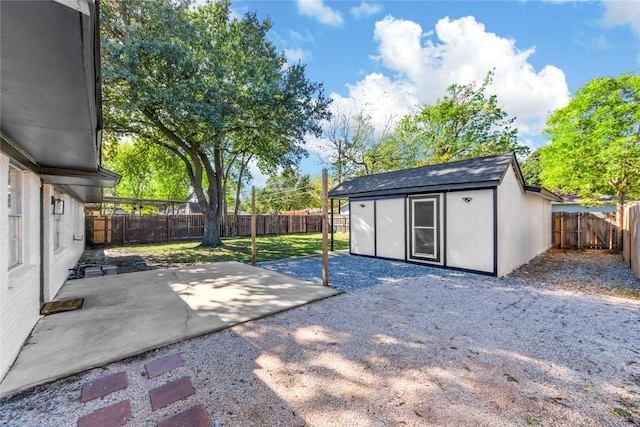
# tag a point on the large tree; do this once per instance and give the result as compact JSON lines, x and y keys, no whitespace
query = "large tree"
{"x":465,"y":123}
{"x":209,"y":88}
{"x":148,"y":170}
{"x":595,"y":141}
{"x":356,"y":146}
{"x":531,"y":169}
{"x":288,"y":191}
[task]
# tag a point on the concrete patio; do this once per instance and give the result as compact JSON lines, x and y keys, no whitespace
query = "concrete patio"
{"x":129,"y":314}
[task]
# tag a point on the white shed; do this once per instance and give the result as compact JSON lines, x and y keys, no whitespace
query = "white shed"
{"x":474,"y":215}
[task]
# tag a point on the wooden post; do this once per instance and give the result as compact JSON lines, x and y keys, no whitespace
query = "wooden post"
{"x":325,"y":227}
{"x":253,"y":225}
{"x":610,"y":231}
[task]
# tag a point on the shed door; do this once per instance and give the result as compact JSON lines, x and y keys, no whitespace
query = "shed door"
{"x":363,"y":232}
{"x":425,"y":228}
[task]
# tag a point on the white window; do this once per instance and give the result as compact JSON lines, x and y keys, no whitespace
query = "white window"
{"x":15,"y":216}
{"x":425,"y":228}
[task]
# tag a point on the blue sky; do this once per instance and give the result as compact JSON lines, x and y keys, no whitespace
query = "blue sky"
{"x":389,"y":57}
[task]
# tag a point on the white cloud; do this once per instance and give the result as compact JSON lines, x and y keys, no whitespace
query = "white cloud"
{"x":295,"y":55}
{"x":620,"y":12}
{"x":366,"y":9}
{"x":460,"y":51}
{"x":320,"y":11}
{"x":257,"y":177}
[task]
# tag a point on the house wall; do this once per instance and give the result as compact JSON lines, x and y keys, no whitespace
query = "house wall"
{"x":362,"y":217}
{"x":20,"y":286}
{"x":20,"y":296}
{"x":470,"y":230}
{"x":390,"y":228}
{"x":524,"y":225}
{"x":70,"y":226}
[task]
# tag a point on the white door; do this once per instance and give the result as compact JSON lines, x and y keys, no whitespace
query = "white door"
{"x":363,"y":233}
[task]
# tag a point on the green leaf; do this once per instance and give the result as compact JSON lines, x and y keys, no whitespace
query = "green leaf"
{"x":621,"y":412}
{"x":512,"y":378}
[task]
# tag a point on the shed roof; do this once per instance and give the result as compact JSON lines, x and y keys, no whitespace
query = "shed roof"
{"x":473,"y":173}
{"x":481,"y":172}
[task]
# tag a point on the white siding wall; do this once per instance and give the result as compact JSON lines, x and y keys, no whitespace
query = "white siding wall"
{"x":524,"y":225}
{"x":362,"y":227}
{"x":390,"y":228}
{"x":469,"y":238}
{"x":19,"y":287}
{"x":58,"y":261}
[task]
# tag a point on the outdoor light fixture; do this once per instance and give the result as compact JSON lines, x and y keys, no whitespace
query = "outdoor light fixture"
{"x":58,"y":206}
{"x":467,"y":199}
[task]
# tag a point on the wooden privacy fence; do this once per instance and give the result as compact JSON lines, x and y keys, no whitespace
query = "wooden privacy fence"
{"x":594,"y":230}
{"x":631,"y":237}
{"x":123,"y":229}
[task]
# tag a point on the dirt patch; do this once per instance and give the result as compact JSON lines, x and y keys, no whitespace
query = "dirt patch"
{"x":590,"y":271}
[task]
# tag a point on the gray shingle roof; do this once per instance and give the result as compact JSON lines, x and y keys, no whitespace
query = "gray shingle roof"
{"x":474,"y":173}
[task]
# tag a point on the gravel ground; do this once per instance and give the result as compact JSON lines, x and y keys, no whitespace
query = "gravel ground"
{"x":405,"y":345}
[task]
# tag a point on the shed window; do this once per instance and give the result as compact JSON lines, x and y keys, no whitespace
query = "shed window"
{"x":424,"y":228}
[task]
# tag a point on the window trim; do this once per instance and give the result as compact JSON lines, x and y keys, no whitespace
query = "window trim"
{"x":15,"y":217}
{"x":413,"y":254}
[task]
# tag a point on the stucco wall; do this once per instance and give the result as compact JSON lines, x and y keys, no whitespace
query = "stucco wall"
{"x":469,"y":237}
{"x":390,"y":228}
{"x":20,"y":286}
{"x":524,"y":225}
{"x":362,"y":215}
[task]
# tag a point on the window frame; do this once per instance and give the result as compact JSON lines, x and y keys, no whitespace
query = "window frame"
{"x":414,"y":253}
{"x":15,"y":187}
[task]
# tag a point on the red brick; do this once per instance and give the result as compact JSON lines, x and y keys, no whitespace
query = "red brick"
{"x":170,"y":392}
{"x":103,"y":386}
{"x":194,"y":417}
{"x":112,"y":416}
{"x":166,"y":364}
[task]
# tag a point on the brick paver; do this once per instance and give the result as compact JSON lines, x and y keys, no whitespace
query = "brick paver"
{"x":166,"y":364}
{"x":170,"y":392}
{"x":103,"y":386}
{"x":194,"y":417}
{"x":115,"y":415}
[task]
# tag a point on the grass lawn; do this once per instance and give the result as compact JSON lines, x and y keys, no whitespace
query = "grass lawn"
{"x":269,"y":248}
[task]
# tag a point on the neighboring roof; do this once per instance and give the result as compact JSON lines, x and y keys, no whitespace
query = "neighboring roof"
{"x":575,"y":198}
{"x":481,"y":172}
{"x":139,"y":201}
{"x":50,"y":116}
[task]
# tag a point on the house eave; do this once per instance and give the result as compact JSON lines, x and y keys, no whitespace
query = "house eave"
{"x":51,"y":98}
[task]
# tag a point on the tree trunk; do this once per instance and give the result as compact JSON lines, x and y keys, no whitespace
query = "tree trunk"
{"x":211,"y":237}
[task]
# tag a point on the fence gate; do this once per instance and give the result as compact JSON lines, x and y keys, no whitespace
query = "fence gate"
{"x":593,"y":230}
